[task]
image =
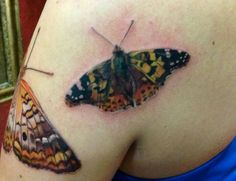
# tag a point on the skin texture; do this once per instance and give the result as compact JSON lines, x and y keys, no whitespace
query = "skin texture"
{"x":190,"y":120}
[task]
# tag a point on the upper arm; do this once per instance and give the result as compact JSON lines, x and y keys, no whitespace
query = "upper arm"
{"x":45,"y":136}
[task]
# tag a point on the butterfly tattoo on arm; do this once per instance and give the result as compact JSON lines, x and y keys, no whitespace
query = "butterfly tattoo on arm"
{"x":31,"y":136}
{"x":126,"y":79}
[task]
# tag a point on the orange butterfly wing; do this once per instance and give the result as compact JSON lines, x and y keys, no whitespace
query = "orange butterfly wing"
{"x":33,"y":139}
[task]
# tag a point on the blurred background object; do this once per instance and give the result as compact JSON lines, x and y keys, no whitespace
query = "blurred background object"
{"x":30,"y":11}
{"x":18,"y":19}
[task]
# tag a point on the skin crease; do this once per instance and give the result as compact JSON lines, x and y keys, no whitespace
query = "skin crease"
{"x":190,"y":120}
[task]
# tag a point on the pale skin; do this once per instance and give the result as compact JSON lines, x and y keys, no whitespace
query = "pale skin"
{"x":190,"y":120}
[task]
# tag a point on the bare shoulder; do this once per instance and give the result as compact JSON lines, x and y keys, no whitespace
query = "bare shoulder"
{"x":47,"y":138}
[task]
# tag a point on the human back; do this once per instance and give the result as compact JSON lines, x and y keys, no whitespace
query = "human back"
{"x":187,"y":122}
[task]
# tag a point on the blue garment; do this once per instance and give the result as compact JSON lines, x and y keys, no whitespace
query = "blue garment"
{"x":220,"y":168}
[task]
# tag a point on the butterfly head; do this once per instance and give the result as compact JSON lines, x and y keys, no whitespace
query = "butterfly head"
{"x":118,"y":51}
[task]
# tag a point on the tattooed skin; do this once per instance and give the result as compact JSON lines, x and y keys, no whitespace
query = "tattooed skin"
{"x":32,"y":137}
{"x":127,"y":79}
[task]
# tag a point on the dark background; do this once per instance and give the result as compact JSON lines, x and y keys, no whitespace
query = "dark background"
{"x":30,"y":11}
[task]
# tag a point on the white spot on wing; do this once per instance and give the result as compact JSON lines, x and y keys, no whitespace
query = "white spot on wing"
{"x":26,"y":107}
{"x":168,"y":54}
{"x":44,"y":140}
{"x":23,"y":120}
{"x":52,"y":137}
{"x":69,"y":92}
{"x":78,"y":84}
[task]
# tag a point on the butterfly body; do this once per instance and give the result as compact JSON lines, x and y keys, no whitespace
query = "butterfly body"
{"x":126,"y":79}
{"x":119,"y":62}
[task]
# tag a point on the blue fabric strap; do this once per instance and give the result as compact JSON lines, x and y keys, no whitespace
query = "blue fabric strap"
{"x":220,"y":168}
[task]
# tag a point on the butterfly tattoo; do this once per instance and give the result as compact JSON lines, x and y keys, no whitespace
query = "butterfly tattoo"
{"x":31,"y":136}
{"x":126,"y":79}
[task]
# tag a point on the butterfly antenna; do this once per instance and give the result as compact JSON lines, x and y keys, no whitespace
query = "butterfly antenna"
{"x":131,"y":24}
{"x":32,"y":47}
{"x":40,"y":71}
{"x":29,"y":68}
{"x":99,"y":34}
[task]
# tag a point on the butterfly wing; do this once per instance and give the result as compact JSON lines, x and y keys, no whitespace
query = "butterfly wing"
{"x":98,"y":87}
{"x":35,"y":140}
{"x":157,"y":64}
{"x":9,"y":134}
{"x":92,"y":87}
